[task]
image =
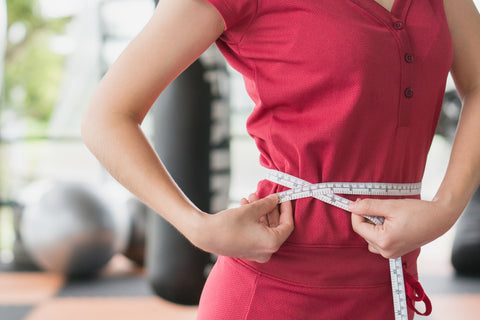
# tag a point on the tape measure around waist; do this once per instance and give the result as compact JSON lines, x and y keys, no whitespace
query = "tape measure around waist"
{"x":328,"y":192}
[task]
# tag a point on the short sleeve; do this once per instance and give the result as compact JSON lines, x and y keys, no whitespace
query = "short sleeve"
{"x":235,"y":12}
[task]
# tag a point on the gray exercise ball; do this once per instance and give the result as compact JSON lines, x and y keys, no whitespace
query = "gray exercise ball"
{"x":68,"y":228}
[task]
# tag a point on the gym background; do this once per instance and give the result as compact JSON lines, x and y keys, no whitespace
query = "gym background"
{"x":71,"y":236}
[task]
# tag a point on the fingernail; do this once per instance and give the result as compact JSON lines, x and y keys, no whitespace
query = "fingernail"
{"x":353,"y":205}
{"x":275,"y":196}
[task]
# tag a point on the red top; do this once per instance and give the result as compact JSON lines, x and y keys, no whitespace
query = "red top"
{"x":344,"y":90}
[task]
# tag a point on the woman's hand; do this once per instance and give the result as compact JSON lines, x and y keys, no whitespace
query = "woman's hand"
{"x":272,"y":219}
{"x":253,"y":231}
{"x":409,"y":224}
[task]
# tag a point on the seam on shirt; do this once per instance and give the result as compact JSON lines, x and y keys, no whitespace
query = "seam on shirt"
{"x":399,"y":47}
{"x":230,"y":12}
{"x":254,"y":65}
{"x":249,"y":23}
{"x":260,"y":274}
{"x":406,"y":9}
{"x":237,"y":44}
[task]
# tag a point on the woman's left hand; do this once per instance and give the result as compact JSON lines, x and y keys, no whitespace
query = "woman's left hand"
{"x":409,"y":224}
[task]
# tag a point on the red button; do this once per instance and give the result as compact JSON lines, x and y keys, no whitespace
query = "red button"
{"x":408,"y":57}
{"x":398,"y":25}
{"x":408,"y":92}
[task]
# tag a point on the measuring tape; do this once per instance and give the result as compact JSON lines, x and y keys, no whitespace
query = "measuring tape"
{"x":327,"y":192}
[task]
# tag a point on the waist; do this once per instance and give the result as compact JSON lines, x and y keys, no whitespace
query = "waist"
{"x":345,"y":263}
{"x":330,"y":266}
{"x":317,"y":222}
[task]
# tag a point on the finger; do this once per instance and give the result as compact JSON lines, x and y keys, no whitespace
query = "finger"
{"x":372,"y":249}
{"x":281,"y":232}
{"x":371,"y":207}
{"x":262,"y":259}
{"x":253,"y":197}
{"x":365,"y":229}
{"x":263,"y":206}
{"x":263,"y":219}
{"x":285,"y":224}
{"x":286,"y":213}
{"x":243,"y":201}
{"x":273,"y":218}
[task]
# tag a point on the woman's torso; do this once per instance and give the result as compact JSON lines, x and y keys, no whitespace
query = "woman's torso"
{"x":343,"y":91}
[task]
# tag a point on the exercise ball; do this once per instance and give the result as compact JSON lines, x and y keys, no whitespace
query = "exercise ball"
{"x":67,"y":228}
{"x":21,"y":257}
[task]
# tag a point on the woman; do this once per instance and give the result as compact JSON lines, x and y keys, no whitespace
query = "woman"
{"x":344,"y":90}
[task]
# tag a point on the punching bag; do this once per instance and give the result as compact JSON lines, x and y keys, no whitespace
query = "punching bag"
{"x":465,"y":256}
{"x":182,"y":121}
{"x":466,"y":244}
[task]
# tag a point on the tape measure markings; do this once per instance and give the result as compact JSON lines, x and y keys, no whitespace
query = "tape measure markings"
{"x":326,"y":192}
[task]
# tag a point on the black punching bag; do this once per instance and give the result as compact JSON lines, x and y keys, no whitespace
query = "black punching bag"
{"x":466,"y":245}
{"x":176,"y":269}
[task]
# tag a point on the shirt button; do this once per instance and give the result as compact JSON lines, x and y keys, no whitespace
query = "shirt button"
{"x":408,"y":57}
{"x":398,"y":25}
{"x":408,"y":92}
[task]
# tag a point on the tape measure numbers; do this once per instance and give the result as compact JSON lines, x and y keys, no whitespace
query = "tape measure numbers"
{"x":328,"y":192}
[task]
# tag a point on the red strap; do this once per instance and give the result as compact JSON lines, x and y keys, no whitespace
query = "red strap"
{"x":415,"y":293}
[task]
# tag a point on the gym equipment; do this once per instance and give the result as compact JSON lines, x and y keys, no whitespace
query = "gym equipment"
{"x":21,"y":257}
{"x":447,"y":122}
{"x":465,"y":256}
{"x":466,"y":245}
{"x":182,"y":116}
{"x":66,"y":227}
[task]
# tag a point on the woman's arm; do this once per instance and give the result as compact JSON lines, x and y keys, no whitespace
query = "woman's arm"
{"x":178,"y":33}
{"x":463,"y":173}
{"x":410,"y":224}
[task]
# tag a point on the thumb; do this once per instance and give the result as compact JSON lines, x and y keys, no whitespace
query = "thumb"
{"x":264,"y":206}
{"x":370,"y":207}
{"x":370,"y":232}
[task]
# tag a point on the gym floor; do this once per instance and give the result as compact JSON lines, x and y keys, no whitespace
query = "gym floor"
{"x":120,"y":292}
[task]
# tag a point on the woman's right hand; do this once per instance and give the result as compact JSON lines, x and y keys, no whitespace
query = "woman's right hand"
{"x":245,"y":232}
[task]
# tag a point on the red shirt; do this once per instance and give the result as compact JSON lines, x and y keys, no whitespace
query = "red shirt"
{"x":344,"y":90}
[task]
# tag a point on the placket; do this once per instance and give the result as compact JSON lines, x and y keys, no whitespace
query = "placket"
{"x":397,"y":24}
{"x":399,"y":27}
